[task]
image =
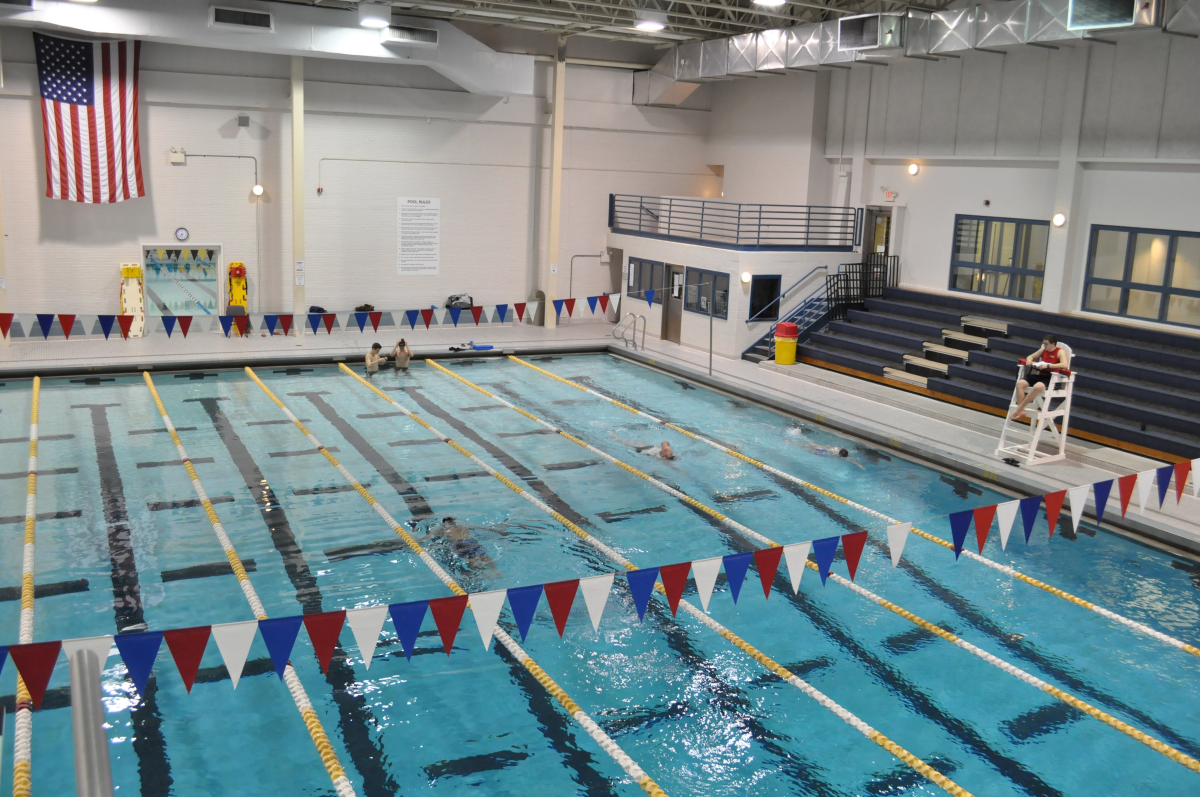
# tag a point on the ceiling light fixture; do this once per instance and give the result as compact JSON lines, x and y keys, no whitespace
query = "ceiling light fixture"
{"x":913,"y":168}
{"x":375,"y":15}
{"x":650,"y":21}
{"x":1058,"y":220}
{"x":770,"y":3}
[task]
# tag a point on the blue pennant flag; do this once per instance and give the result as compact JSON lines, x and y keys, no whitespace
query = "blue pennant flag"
{"x":455,"y":312}
{"x":592,"y":303}
{"x":502,"y":311}
{"x":314,"y":321}
{"x":650,"y":298}
{"x":106,"y":324}
{"x":361,"y":320}
{"x":823,"y":551}
{"x":1164,"y":479}
{"x":3,"y":656}
{"x":407,"y":617}
{"x":271,"y":321}
{"x":1029,"y":513}
{"x":169,"y":324}
{"x":960,"y":524}
{"x":1101,"y":490}
{"x":523,"y":601}
{"x":45,"y":321}
{"x":226,"y":324}
{"x":736,"y":565}
{"x":558,"y":305}
{"x":641,"y":584}
{"x":139,"y":651}
{"x":279,"y":633}
{"x":411,"y":317}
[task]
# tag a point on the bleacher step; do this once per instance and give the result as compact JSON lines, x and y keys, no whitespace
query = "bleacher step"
{"x":968,"y":341}
{"x":923,"y":365}
{"x":944,"y":354}
{"x":991,"y":325}
{"x":905,"y":376}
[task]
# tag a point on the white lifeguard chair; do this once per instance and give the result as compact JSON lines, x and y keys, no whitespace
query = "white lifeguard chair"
{"x":1051,"y":407}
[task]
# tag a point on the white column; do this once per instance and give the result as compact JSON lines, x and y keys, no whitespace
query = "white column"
{"x":299,"y":305}
{"x":556,"y":161}
{"x":1063,"y":283}
{"x":858,"y":119}
{"x":4,"y":341}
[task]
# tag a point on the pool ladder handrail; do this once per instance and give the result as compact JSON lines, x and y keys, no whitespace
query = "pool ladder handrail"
{"x":628,"y":334}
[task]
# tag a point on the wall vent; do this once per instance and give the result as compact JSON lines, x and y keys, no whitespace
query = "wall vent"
{"x":240,"y":18}
{"x":401,"y":35}
{"x":871,"y":32}
{"x":1106,"y":14}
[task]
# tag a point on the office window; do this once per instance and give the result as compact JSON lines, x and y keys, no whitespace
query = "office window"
{"x":764,"y":298}
{"x":645,"y":275}
{"x":1148,"y":274}
{"x":999,"y":257}
{"x":705,"y":289}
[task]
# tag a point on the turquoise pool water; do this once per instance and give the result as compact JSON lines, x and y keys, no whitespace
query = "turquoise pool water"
{"x":697,"y":714}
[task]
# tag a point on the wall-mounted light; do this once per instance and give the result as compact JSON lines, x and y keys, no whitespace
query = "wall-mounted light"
{"x":650,"y":21}
{"x":1058,"y":220}
{"x":746,"y":276}
{"x":375,"y":15}
{"x":257,"y":190}
{"x":914,"y":168}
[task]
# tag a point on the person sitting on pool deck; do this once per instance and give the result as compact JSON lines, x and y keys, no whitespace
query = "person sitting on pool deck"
{"x":402,"y":354}
{"x":1042,"y":363}
{"x":374,"y":358}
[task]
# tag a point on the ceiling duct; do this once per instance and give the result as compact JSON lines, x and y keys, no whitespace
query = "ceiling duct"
{"x":771,"y":51}
{"x":743,"y":55}
{"x":830,"y":54}
{"x":687,"y":62}
{"x":661,"y":85}
{"x":1087,"y":15}
{"x":951,"y":31}
{"x":1183,"y":16}
{"x":714,"y":60}
{"x":804,"y":47}
{"x":1000,"y":24}
{"x":871,"y":32}
{"x":402,"y":36}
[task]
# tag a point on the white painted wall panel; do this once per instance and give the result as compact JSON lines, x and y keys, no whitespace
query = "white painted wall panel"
{"x":939,"y":107}
{"x":906,"y":85}
{"x":1136,"y":107}
{"x":1179,"y":136}
{"x":837,"y":141}
{"x":879,"y":81}
{"x":1097,"y":96}
{"x":979,"y":103}
{"x":1050,"y":140}
{"x":1022,"y":93}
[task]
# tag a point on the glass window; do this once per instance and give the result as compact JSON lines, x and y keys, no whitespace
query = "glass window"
{"x":764,"y":298}
{"x":646,"y":275}
{"x":700,"y":288}
{"x":1014,"y":252}
{"x":1147,"y":274}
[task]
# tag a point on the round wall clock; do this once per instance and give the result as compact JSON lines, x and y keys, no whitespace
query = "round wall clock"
{"x":181,"y":234}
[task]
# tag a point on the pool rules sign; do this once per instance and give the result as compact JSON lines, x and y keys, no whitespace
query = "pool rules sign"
{"x":419,"y":236}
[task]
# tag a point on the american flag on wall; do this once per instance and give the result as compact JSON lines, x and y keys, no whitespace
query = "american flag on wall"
{"x":90,"y":119}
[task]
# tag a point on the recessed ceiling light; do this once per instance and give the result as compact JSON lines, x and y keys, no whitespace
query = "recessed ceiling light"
{"x":375,"y":15}
{"x":770,"y":3}
{"x":650,"y":21}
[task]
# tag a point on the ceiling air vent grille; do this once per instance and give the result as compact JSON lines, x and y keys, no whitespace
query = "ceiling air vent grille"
{"x":871,"y":32}
{"x":240,"y":18}
{"x":410,"y":37}
{"x":1102,"y":14}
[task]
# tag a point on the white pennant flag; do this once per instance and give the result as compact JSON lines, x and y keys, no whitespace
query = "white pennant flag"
{"x":366,"y":623}
{"x":234,"y":640}
{"x":1078,"y":496}
{"x":705,"y":572}
{"x":531,"y":312}
{"x":595,"y":594}
{"x":1195,"y":478}
{"x":100,"y":645}
{"x":897,"y":535}
{"x":1006,"y":514}
{"x":614,"y":301}
{"x":486,"y":607}
{"x":796,"y":556}
{"x":1145,"y":483}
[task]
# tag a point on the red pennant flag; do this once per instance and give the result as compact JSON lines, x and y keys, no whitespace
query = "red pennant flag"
{"x":185,"y":323}
{"x":983,"y":523}
{"x":476,"y":312}
{"x":520,"y":308}
{"x":187,"y":648}
{"x":852,"y":546}
{"x":375,"y":317}
{"x":1054,"y":502}
{"x":561,"y":595}
{"x":674,"y":579}
{"x":242,"y":322}
{"x":285,"y":323}
{"x":1126,"y":484}
{"x":323,"y":631}
{"x":5,"y":323}
{"x":570,"y":304}
{"x":604,"y":302}
{"x":67,"y":321}
{"x":767,"y":562}
{"x":426,"y":315}
{"x":328,"y":319}
{"x":35,"y":663}
{"x":1181,"y":473}
{"x":447,"y":613}
{"x":126,"y":322}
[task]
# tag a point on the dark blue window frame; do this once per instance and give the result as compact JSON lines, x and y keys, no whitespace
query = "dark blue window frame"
{"x":646,"y":275}
{"x":1013,"y":273}
{"x":1126,"y":283}
{"x":706,"y":288}
{"x":770,"y":313}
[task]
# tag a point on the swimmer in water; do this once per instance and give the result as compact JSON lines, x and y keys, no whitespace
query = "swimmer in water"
{"x":662,"y":451}
{"x":460,"y":541}
{"x":835,"y":452}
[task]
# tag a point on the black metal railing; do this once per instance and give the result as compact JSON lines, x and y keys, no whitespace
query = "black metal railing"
{"x":856,"y":282}
{"x":743,"y":226}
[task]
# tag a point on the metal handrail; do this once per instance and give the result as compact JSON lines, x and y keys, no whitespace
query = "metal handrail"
{"x":630,"y":339}
{"x":782,"y":294}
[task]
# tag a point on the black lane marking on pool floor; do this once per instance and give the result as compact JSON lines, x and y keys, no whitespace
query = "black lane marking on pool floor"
{"x":551,"y":722}
{"x":159,"y":506}
{"x":367,"y":549}
{"x":355,"y":718}
{"x":304,"y":452}
{"x":427,"y":441}
{"x":46,"y":590}
{"x":473,"y":764}
{"x":748,"y":495}
{"x":42,"y":516}
{"x":482,"y":408}
{"x":92,"y":381}
{"x":1036,"y":723}
{"x":195,"y":375}
{"x":154,"y":766}
{"x":48,"y":438}
{"x":626,"y":514}
{"x":279,"y":422}
{"x":169,"y":462}
{"x":336,"y":488}
{"x":366,"y":416}
{"x":576,"y":465}
{"x":453,"y":477}
{"x":505,"y":435}
{"x":163,"y":430}
{"x":47,"y":472}
{"x":206,"y":570}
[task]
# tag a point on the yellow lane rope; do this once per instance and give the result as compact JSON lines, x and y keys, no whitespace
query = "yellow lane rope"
{"x":23,"y":735}
{"x":794,"y":680}
{"x":1005,"y":569}
{"x":631,"y":767}
{"x":312,"y":722}
{"x":1016,"y":672}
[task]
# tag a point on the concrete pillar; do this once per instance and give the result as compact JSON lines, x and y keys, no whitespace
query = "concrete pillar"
{"x":299,"y":305}
{"x":4,"y":341}
{"x":1063,"y":284}
{"x":550,"y":283}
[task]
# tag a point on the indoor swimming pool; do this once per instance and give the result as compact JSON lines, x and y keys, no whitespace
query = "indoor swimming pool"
{"x":122,"y":544}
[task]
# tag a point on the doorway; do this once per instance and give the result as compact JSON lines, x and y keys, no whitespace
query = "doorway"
{"x":877,"y":233}
{"x":672,"y":316}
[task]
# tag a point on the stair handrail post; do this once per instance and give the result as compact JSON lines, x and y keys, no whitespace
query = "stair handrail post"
{"x":703,"y":205}
{"x":670,"y":212}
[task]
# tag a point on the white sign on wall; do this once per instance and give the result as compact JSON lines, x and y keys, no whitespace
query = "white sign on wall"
{"x":418,"y":236}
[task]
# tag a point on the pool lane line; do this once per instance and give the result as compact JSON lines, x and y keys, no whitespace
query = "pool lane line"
{"x":341,"y":783}
{"x":606,"y":743}
{"x":23,"y":734}
{"x":1154,"y":744}
{"x":846,"y":716}
{"x":354,"y":717}
{"x":1005,"y":569}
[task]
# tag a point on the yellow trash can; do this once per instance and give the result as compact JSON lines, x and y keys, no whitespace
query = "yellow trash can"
{"x":786,"y":335}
